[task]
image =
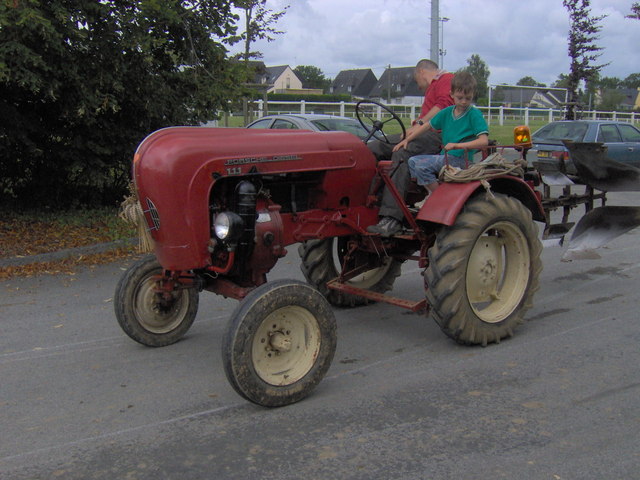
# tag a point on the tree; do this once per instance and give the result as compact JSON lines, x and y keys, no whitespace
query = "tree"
{"x":562,"y":81}
{"x":529,"y":82}
{"x":632,"y":81}
{"x":259,"y":24}
{"x":480,"y":71}
{"x":608,"y":82}
{"x":610,"y":100}
{"x":83,"y":82}
{"x":582,"y":49}
{"x":635,"y":11}
{"x":312,"y":77}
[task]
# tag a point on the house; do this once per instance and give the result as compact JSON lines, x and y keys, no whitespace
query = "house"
{"x":282,"y":79}
{"x":631,"y":99}
{"x":357,"y":83}
{"x":260,"y":76}
{"x":276,"y":79}
{"x":534,"y":98}
{"x":397,"y":85}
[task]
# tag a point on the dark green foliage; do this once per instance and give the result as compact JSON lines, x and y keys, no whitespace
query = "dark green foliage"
{"x":529,"y":81}
{"x":632,"y":81}
{"x":480,"y":71}
{"x":312,"y":77}
{"x":82,"y":82}
{"x":582,"y":49}
{"x":259,"y":24}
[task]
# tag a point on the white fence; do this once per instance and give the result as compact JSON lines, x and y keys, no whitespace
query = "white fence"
{"x":498,"y":114}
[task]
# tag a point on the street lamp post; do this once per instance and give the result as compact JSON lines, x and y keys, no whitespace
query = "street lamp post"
{"x":443,"y":52}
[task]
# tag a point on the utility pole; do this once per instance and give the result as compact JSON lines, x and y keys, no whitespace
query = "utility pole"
{"x":389,"y":85}
{"x":435,"y":30}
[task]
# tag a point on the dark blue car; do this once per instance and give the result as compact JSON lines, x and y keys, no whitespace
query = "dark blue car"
{"x":622,"y":140}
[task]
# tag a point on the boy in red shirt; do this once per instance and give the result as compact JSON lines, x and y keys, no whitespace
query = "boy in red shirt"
{"x":437,"y":97}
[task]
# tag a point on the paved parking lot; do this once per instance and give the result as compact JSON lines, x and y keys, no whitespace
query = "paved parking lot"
{"x":560,"y":400}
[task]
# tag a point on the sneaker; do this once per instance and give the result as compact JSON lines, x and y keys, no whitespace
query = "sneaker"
{"x":420,"y":204}
{"x":386,"y":227}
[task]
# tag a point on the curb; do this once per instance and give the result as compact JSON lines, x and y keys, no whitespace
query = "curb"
{"x":66,"y":253}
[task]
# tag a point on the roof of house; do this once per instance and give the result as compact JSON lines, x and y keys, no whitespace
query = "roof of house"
{"x":358,"y":82}
{"x":400,"y":81}
{"x":526,"y":96}
{"x":275,"y":72}
{"x":630,"y":96}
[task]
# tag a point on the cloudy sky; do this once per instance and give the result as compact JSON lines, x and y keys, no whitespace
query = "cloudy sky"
{"x":515,"y":38}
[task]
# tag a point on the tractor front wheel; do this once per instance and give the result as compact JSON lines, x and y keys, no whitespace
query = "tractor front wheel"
{"x":483,"y":270}
{"x":279,"y":343}
{"x":148,"y":314}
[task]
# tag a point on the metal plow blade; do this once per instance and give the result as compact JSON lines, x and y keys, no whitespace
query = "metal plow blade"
{"x":597,"y":170}
{"x":598,"y":227}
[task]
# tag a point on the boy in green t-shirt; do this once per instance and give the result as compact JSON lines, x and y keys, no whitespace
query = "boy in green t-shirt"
{"x":463,"y":130}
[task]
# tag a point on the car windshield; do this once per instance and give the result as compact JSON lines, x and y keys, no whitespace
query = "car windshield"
{"x":558,"y":131}
{"x":342,"y":124}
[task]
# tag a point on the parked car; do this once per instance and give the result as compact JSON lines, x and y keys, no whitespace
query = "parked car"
{"x":621,"y":139}
{"x":310,"y":121}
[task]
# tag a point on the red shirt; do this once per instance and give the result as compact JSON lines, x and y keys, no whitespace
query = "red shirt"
{"x":438,"y":93}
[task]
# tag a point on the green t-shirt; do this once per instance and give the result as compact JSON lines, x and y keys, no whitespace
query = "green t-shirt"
{"x":460,"y":129}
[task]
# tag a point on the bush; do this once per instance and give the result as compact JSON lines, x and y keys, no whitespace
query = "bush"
{"x":83,"y":82}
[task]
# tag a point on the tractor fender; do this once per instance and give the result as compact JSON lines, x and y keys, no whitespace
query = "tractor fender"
{"x":446,"y":202}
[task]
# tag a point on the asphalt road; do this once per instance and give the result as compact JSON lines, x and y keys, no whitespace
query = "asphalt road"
{"x":560,"y":400}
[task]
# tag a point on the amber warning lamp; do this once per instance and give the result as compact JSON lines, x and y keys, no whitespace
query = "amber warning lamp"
{"x":522,"y":136}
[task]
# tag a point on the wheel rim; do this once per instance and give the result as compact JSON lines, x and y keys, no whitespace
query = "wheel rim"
{"x":498,"y":272}
{"x":153,"y":316}
{"x":366,"y":279}
{"x":286,"y":345}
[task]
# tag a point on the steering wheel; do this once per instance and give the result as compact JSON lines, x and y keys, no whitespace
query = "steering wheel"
{"x":373,"y":126}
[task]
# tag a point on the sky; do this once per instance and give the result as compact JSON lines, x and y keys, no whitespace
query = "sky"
{"x":514,"y":38}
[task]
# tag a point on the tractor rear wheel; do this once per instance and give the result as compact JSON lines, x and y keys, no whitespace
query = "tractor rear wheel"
{"x":322,"y":262}
{"x":279,"y":343}
{"x":148,"y":316}
{"x":483,"y":270}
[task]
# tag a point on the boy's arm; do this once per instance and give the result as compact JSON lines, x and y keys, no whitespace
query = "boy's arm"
{"x":481,"y":141}
{"x":411,"y":133}
{"x":428,"y":116}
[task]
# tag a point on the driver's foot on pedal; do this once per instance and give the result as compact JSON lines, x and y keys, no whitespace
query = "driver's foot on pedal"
{"x":386,"y":227}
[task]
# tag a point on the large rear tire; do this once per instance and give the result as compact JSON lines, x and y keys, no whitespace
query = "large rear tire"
{"x":146,"y":316}
{"x":279,"y":343}
{"x":483,"y":270}
{"x":322,"y":262}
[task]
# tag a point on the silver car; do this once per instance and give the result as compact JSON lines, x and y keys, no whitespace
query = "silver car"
{"x":310,"y":121}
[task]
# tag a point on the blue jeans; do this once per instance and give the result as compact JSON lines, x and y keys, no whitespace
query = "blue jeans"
{"x":425,"y":168}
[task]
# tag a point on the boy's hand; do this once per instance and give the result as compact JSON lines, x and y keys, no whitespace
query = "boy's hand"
{"x":400,"y":145}
{"x":451,"y":146}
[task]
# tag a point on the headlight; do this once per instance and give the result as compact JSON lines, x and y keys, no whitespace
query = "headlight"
{"x":228,"y":227}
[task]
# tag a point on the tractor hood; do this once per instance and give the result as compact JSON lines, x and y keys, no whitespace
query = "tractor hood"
{"x":175,"y":168}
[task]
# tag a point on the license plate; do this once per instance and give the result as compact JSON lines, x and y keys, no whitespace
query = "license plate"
{"x":544,"y":154}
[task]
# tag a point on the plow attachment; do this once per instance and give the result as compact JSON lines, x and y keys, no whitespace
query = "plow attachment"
{"x":598,"y":227}
{"x":596,"y":169}
{"x":601,"y":225}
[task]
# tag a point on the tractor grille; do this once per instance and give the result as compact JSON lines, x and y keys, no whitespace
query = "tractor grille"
{"x":153,"y":215}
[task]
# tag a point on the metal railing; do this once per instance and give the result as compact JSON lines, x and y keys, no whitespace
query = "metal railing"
{"x":496,"y":114}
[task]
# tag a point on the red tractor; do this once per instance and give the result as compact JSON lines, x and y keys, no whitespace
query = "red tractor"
{"x":222,"y":206}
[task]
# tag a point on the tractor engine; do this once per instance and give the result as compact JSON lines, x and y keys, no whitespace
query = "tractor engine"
{"x":247,"y":233}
